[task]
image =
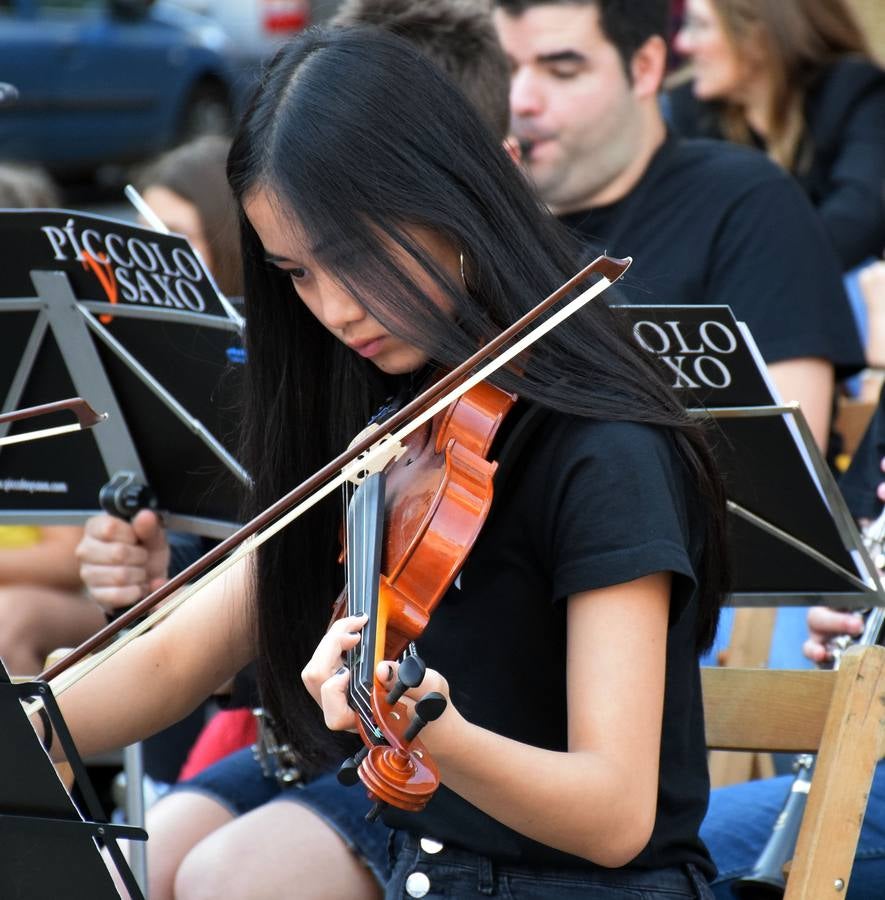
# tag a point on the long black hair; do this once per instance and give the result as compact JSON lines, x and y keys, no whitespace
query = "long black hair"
{"x":363,"y":140}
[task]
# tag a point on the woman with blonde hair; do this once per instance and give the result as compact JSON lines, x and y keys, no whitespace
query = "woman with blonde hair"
{"x":796,"y":79}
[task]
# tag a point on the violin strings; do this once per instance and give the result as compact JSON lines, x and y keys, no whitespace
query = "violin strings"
{"x":366,"y":652}
{"x":358,"y":701}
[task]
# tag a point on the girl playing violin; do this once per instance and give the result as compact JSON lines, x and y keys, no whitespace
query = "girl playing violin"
{"x":405,"y":248}
{"x":386,"y":236}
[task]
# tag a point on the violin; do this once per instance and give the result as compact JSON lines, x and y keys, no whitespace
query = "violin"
{"x":410,"y":528}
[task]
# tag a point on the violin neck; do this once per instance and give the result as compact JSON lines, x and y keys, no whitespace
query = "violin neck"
{"x":365,"y":533}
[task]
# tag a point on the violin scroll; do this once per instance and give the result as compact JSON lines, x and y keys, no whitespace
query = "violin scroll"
{"x":402,"y":772}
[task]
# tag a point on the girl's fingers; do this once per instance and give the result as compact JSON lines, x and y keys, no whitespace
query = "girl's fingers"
{"x":348,"y":624}
{"x":343,"y":635}
{"x":333,"y":698}
{"x":387,"y":671}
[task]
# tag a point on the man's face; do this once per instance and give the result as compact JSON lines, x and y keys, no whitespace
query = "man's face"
{"x":572,"y":107}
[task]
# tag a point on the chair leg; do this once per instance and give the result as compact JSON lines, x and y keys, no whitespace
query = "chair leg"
{"x":851,"y":745}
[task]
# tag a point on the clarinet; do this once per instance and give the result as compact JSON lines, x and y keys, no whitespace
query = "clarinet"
{"x":767,"y":878}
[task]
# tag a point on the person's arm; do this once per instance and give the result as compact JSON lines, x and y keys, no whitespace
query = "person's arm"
{"x":599,"y":799}
{"x":810,"y":382}
{"x":158,"y":678}
{"x":851,"y":206}
{"x":49,"y":562}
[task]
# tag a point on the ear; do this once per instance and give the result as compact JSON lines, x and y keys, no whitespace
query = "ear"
{"x":648,"y":67}
{"x":511,"y":148}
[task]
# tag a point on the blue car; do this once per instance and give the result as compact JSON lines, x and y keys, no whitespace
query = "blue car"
{"x":109,"y":81}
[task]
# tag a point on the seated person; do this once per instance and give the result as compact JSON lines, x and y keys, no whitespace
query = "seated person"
{"x":42,"y":604}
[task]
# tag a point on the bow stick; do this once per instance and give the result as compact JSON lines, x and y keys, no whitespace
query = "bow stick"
{"x":363,"y":453}
{"x":87,"y":417}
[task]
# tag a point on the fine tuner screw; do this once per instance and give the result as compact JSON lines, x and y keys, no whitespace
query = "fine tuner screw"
{"x":410,"y":675}
{"x":428,"y":709}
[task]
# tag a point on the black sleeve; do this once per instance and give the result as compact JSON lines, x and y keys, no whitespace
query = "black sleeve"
{"x":853,"y":206}
{"x":777,"y":269}
{"x":618,"y":508}
{"x":864,"y":474}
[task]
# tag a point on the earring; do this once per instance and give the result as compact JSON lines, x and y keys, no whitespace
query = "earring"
{"x":463,"y":276}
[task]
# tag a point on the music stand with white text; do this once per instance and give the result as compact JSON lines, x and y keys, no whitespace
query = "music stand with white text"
{"x":129,"y":318}
{"x":792,"y":538}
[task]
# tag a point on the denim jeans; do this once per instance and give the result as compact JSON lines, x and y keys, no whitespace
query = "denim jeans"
{"x":423,"y":868}
{"x":739,"y":822}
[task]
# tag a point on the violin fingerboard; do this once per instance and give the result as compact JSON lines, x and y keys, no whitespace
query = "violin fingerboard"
{"x":365,"y":533}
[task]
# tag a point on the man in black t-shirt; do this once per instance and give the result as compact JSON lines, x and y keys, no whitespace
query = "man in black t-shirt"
{"x":704,"y":221}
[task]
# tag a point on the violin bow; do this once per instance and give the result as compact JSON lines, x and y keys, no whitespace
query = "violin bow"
{"x":362,"y":454}
{"x":87,"y":417}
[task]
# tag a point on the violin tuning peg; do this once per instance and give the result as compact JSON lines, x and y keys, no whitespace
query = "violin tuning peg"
{"x":428,"y":709}
{"x":348,"y":770}
{"x":410,"y":675}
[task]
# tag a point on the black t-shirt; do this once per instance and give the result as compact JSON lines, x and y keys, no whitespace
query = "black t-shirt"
{"x":711,"y":222}
{"x":841,"y":159}
{"x":864,"y":474}
{"x":590,"y":504}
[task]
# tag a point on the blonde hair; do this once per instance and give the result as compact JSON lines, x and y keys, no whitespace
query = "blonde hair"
{"x":797,"y":39}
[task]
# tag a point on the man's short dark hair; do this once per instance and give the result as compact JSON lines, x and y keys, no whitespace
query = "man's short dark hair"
{"x":627,"y":24}
{"x":458,"y":35}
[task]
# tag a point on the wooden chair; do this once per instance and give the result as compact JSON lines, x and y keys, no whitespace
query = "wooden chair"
{"x":840,"y":715}
{"x":748,"y":648}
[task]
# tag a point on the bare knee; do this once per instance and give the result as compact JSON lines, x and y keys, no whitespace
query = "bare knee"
{"x":176,"y":824}
{"x":263,"y":854}
{"x":205,"y":874}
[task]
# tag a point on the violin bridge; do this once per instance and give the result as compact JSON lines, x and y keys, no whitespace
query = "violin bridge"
{"x":383,"y":452}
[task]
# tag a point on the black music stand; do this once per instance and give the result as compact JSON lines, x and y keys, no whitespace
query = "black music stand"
{"x":793,"y":540}
{"x":49,"y":848}
{"x":129,"y":318}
